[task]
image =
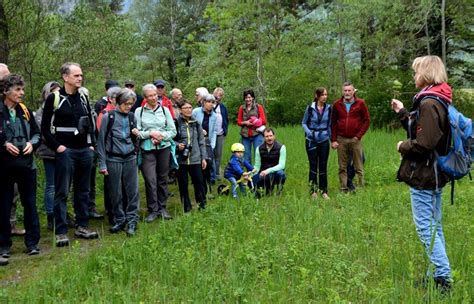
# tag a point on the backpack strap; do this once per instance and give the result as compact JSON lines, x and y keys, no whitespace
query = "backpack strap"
{"x":26,"y":113}
{"x":110,"y":123}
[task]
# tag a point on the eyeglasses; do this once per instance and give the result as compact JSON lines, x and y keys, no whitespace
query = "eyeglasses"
{"x":129,"y":104}
{"x":186,"y":108}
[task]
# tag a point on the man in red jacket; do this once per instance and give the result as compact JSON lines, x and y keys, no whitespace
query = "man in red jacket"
{"x":349,"y":122}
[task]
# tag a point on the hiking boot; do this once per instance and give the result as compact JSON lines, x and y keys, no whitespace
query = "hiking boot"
{"x":62,"y":240}
{"x":84,"y":233}
{"x":93,"y":214}
{"x":132,"y":229}
{"x":443,"y":284}
{"x":17,"y":231}
{"x":117,"y":228}
{"x":50,"y":218}
{"x":151,"y":217}
{"x":3,"y":261}
{"x":5,"y":252}
{"x":32,"y":250}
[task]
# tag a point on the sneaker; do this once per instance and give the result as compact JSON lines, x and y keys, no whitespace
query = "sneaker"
{"x":117,"y":228}
{"x":3,"y":261}
{"x":5,"y":252}
{"x":62,"y":240}
{"x":325,"y":196}
{"x":165,"y":215}
{"x":443,"y":284}
{"x":314,"y":195}
{"x":132,"y":229}
{"x":17,"y":231}
{"x":33,"y":250}
{"x":84,"y":233}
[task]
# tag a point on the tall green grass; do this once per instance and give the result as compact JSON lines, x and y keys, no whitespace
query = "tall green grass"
{"x":279,"y":249}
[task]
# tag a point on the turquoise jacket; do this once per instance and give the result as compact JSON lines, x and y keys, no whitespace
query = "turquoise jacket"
{"x":160,"y":120}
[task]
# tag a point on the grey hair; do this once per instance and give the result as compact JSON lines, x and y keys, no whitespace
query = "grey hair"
{"x":3,"y":65}
{"x":202,"y":92}
{"x":175,"y":90}
{"x":218,"y":89}
{"x":147,"y":87}
{"x":124,"y":95}
{"x":113,"y":92}
{"x":210,"y":97}
{"x":66,"y":67}
{"x":48,"y":88}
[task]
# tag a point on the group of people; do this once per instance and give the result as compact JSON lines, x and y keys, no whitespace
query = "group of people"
{"x":154,"y":134}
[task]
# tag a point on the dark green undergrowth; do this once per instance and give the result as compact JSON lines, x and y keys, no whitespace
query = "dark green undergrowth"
{"x":281,"y":249}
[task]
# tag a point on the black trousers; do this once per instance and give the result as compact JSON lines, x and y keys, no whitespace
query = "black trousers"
{"x":25,"y":178}
{"x":197,"y":179}
{"x":318,"y":154}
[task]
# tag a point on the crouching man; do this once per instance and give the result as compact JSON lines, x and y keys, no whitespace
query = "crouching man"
{"x":270,"y":160}
{"x":19,"y":135}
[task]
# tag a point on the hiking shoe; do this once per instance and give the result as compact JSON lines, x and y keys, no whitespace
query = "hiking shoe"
{"x":33,"y":250}
{"x":443,"y":284}
{"x":62,"y":240}
{"x":165,"y":215}
{"x":117,"y":228}
{"x":132,"y":229}
{"x":151,"y":217}
{"x":84,"y":233}
{"x":5,"y":252}
{"x":325,"y":196}
{"x":93,"y":214}
{"x":3,"y":261}
{"x":17,"y":231}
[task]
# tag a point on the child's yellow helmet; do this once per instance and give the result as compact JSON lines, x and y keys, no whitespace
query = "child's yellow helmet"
{"x":237,"y":147}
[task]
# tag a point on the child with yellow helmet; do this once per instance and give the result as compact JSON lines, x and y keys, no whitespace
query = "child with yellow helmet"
{"x":236,"y":168}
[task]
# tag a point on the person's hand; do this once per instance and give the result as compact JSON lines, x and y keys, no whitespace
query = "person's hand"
{"x":28,"y":149}
{"x":263,"y":173}
{"x":355,"y":138}
{"x":397,"y":105}
{"x":155,"y":141}
{"x":203,"y":164}
{"x":398,"y":145}
{"x":61,"y":149}
{"x":181,"y":146}
{"x":12,"y":149}
{"x":204,"y":132}
{"x":155,"y":134}
{"x":92,"y":148}
{"x":104,"y":172}
{"x":334,"y":144}
{"x":135,"y":132}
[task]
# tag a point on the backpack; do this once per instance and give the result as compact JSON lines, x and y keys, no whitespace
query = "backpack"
{"x":59,"y":101}
{"x":132,"y":125}
{"x":457,"y":163}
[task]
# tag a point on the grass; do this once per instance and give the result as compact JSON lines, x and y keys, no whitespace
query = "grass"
{"x":288,"y":249}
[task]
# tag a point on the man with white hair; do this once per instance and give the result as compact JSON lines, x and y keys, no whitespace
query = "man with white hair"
{"x":176,"y":98}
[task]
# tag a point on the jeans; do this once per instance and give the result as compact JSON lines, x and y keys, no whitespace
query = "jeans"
{"x":426,"y":209}
{"x":256,"y":141}
{"x":123,"y":179}
{"x":25,"y":178}
{"x":234,"y":183}
{"x":49,"y":168}
{"x":75,"y":163}
{"x":271,"y":180}
{"x":198,"y":182}
{"x":318,"y":154}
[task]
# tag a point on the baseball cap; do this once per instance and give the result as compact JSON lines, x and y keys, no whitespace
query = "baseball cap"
{"x":159,"y":83}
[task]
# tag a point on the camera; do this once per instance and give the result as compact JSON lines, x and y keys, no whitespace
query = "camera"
{"x":187,"y":150}
{"x":83,"y":125}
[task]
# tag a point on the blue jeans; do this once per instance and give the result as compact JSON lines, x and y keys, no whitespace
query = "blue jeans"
{"x":72,"y":165}
{"x":271,"y":180}
{"x":233,"y":181}
{"x":48,"y":199}
{"x":256,"y":141}
{"x":426,"y":208}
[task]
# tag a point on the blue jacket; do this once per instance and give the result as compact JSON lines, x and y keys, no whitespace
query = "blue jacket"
{"x":317,"y":127}
{"x":198,"y":115}
{"x":225,"y":118}
{"x":235,"y":167}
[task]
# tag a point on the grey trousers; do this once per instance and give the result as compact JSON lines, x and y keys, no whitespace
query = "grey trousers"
{"x":123,"y":175}
{"x":155,"y":170}
{"x":218,"y":153}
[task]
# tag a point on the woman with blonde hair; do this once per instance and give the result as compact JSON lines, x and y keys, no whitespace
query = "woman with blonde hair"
{"x":429,"y":135}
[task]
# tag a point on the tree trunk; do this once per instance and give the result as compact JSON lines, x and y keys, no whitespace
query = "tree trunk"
{"x":443,"y":31}
{"x":341,"y":51}
{"x":4,"y":46}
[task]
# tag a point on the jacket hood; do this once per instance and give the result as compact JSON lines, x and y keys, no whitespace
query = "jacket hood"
{"x":442,"y":90}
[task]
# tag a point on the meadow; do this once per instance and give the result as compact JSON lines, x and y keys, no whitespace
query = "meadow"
{"x":353,"y":248}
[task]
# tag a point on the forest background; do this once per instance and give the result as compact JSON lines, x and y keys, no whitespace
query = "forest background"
{"x":281,"y":49}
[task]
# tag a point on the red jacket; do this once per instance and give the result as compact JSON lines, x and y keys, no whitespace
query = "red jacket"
{"x":250,"y":130}
{"x":165,"y":102}
{"x":349,"y":124}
